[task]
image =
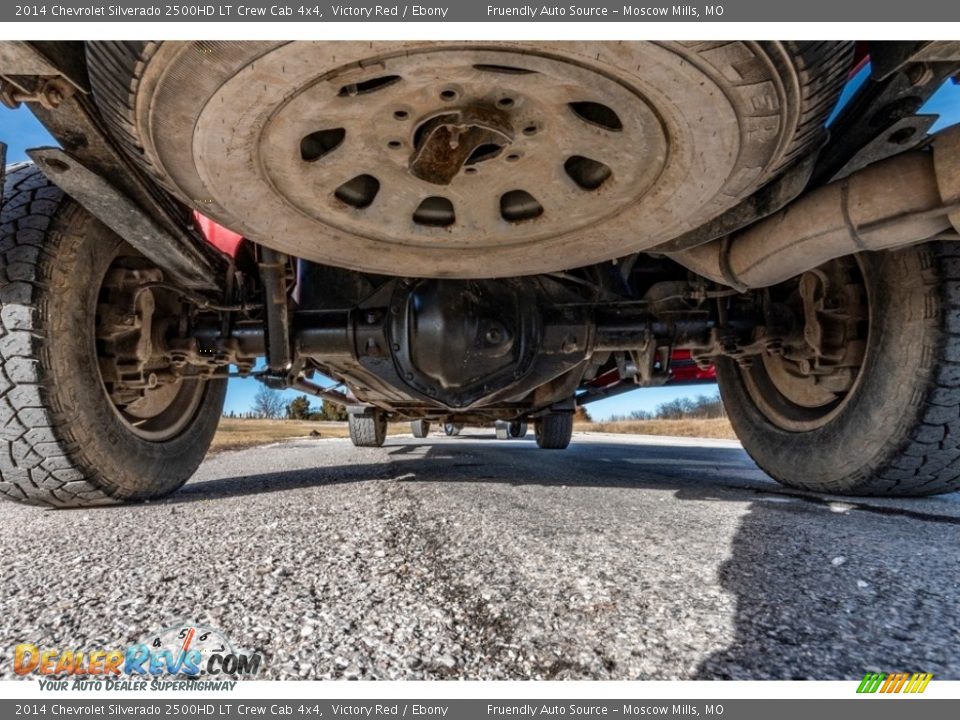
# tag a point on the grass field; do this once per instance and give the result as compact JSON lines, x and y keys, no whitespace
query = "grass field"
{"x":714,"y":428}
{"x":234,"y":434}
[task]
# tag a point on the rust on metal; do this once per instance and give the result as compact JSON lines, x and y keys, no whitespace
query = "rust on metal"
{"x":453,"y":139}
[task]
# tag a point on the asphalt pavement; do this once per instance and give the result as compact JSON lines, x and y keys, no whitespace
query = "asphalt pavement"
{"x":619,"y":558}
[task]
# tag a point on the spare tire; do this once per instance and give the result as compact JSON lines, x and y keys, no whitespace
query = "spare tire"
{"x":568,"y":153}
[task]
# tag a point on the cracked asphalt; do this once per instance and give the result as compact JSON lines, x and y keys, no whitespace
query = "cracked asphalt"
{"x":622,"y":557}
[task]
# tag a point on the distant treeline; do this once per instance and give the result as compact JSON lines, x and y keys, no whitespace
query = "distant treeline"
{"x":268,"y":404}
{"x":300,"y":409}
{"x":701,"y":407}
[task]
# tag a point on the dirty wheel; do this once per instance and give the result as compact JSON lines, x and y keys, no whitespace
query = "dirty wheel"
{"x":465,"y":159}
{"x":368,"y":430}
{"x":553,"y":432}
{"x":92,"y":412}
{"x":518,"y":429}
{"x":452,"y":429}
{"x":864,"y":397}
{"x":420,"y":428}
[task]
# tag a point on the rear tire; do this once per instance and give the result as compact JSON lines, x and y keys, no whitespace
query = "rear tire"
{"x":368,"y":430}
{"x":452,"y":429}
{"x":553,"y":432}
{"x":63,"y":442}
{"x":420,"y":428}
{"x":897,"y":432}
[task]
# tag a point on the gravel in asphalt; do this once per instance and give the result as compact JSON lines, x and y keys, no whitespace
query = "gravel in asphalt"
{"x":620,"y":558}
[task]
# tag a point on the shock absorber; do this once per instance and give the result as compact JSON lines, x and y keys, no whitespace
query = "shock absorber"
{"x":273,"y":270}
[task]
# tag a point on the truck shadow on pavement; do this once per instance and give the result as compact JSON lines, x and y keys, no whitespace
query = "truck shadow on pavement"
{"x":830,"y":592}
{"x":824,"y":588}
{"x":448,"y":460}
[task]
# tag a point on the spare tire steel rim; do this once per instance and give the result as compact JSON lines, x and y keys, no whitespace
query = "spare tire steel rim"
{"x":518,"y":155}
{"x":458,"y":160}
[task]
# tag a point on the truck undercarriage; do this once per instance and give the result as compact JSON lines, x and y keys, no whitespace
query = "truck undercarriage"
{"x":470,"y":233}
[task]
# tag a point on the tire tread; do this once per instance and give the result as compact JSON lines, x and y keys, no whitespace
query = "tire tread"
{"x":53,"y":452}
{"x":36,"y":446}
{"x":367,"y":430}
{"x":554,"y":431}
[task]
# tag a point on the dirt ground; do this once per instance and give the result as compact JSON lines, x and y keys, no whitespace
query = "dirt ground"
{"x":713,"y":428}
{"x":234,"y":434}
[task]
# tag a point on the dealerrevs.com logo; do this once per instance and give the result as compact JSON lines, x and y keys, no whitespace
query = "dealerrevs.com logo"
{"x":171,"y":658}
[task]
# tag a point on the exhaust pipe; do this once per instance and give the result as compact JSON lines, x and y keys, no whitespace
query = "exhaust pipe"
{"x":896,"y":202}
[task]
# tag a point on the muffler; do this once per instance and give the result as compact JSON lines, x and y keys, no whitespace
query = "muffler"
{"x":896,"y":202}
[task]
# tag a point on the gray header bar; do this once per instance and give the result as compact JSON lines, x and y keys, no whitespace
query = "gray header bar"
{"x":222,"y":707}
{"x":629,"y":11}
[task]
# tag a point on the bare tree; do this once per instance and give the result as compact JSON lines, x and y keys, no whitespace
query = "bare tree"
{"x":267,"y":403}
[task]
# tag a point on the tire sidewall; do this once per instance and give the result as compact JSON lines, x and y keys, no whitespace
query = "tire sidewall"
{"x":123,"y":464}
{"x":554,"y":432}
{"x":869,"y":429}
{"x":420,"y":428}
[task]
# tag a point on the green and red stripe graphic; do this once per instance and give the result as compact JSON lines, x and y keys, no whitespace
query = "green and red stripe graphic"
{"x":894,"y":682}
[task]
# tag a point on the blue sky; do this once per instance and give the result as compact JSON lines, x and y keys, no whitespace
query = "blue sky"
{"x":19,"y":130}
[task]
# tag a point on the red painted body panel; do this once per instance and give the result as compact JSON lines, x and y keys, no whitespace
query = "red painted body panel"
{"x":220,"y":237}
{"x":683,"y":370}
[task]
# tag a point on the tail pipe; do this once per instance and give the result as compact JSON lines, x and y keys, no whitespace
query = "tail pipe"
{"x":896,"y":202}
